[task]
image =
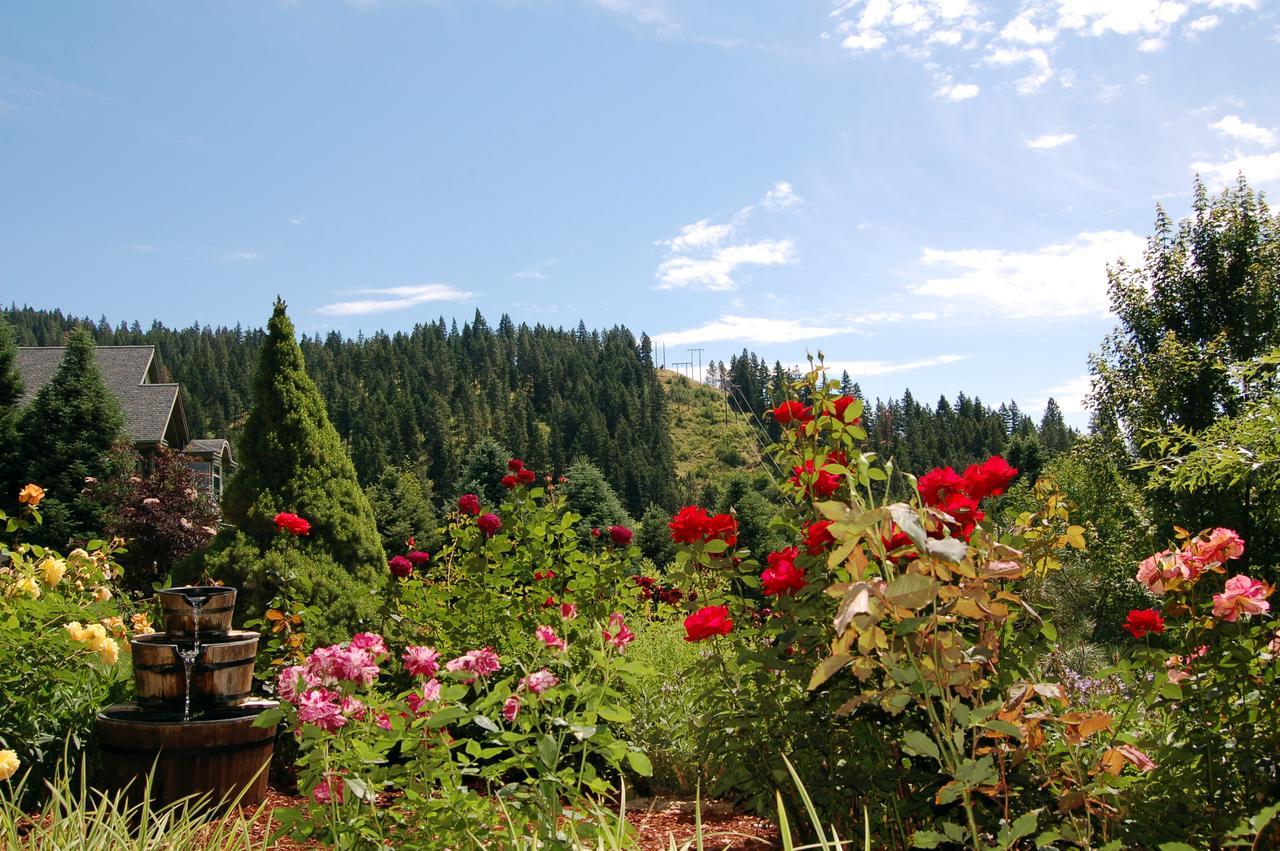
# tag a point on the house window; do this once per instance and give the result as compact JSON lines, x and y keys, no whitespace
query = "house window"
{"x":217,"y":481}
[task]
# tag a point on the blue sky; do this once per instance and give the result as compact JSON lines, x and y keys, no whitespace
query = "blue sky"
{"x":927,"y":191}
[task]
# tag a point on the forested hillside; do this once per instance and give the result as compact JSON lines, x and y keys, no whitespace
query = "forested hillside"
{"x":547,"y":395}
{"x":551,"y":396}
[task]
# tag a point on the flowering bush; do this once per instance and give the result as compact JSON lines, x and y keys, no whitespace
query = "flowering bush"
{"x":498,"y":683}
{"x":61,"y":639}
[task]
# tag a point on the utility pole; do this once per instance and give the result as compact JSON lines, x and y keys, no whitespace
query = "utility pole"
{"x":691,"y":353}
{"x":681,"y":363}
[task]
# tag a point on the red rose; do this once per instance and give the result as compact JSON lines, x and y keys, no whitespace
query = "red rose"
{"x":817,"y":536}
{"x":990,"y":478}
{"x":526,"y":477}
{"x":966,"y":513}
{"x":292,"y":523}
{"x":722,"y":527}
{"x":900,"y":540}
{"x":937,"y":483}
{"x":508,"y":482}
{"x":515,"y":465}
{"x":419,"y":558}
{"x":1142,"y":621}
{"x":815,"y":482}
{"x":686,"y":527}
{"x":400,"y":566}
{"x":539,"y":575}
{"x":489,"y":524}
{"x":792,"y":411}
{"x":549,"y":602}
{"x":620,"y":535}
{"x":782,"y":577}
{"x":469,"y":503}
{"x":842,"y":404}
{"x":707,"y":622}
{"x":643,"y":581}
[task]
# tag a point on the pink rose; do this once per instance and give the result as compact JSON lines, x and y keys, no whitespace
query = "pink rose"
{"x":421,"y":661}
{"x":539,"y":681}
{"x":1165,"y":569}
{"x":1241,"y":596}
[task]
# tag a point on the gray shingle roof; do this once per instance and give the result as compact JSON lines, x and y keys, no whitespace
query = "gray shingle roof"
{"x":147,"y":407}
{"x":210,"y":446}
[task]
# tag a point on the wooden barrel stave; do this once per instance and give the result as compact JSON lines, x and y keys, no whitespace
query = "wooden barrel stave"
{"x":215,"y":613}
{"x":222,"y":674}
{"x":220,"y":756}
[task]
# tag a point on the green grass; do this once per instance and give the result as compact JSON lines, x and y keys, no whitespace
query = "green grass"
{"x":711,"y":441}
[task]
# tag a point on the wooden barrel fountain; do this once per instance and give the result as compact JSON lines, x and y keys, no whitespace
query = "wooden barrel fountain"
{"x":193,"y":721}
{"x":222,"y":674}
{"x":222,"y":755}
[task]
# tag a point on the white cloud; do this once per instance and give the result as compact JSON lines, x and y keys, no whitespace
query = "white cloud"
{"x":1204,"y":24}
{"x":1151,"y":45}
{"x":397,"y":298}
{"x":748,"y":329}
{"x":1050,"y":140}
{"x":1069,"y":395}
{"x":1023,"y":30}
{"x":700,"y":234}
{"x":530,"y":275}
{"x":240,"y":256}
{"x":716,"y":272}
{"x":297,"y":220}
{"x":867,"y":40}
{"x":1041,"y":72}
{"x":1057,"y":281}
{"x":703,"y":255}
{"x":1245,"y":131}
{"x":781,"y":196}
{"x":958,"y":91}
{"x":859,"y":369}
{"x":1258,"y":168}
{"x":1130,"y":17}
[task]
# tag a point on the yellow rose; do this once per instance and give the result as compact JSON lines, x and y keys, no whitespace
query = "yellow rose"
{"x":76,"y":630}
{"x":9,"y":763}
{"x":114,"y":625}
{"x":141,"y":624}
{"x":27,"y":585}
{"x":78,"y":559}
{"x":30,"y":495}
{"x":95,"y":634}
{"x":102,"y":595}
{"x":109,"y":652}
{"x":52,"y":570}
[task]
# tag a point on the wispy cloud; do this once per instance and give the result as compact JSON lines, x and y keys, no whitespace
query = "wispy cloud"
{"x":749,"y":329}
{"x":297,"y":220}
{"x":858,"y":369}
{"x":1057,"y":281}
{"x":1050,"y":140}
{"x":1070,"y":395}
{"x":1258,"y":168}
{"x":393,"y":298}
{"x":239,"y":256}
{"x":957,"y":91}
{"x":708,"y":254}
{"x":1244,"y":131}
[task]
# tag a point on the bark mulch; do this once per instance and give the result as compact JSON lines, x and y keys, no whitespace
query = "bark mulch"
{"x":656,"y":821}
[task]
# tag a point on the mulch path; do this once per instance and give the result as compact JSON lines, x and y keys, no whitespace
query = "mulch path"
{"x":656,"y":820}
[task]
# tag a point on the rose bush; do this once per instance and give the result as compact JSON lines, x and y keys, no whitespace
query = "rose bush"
{"x":63,"y":629}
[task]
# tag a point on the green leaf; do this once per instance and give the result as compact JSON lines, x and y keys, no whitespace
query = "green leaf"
{"x":910,"y":590}
{"x":619,"y":714}
{"x":827,"y":668}
{"x":484,"y":723}
{"x":917,"y":743}
{"x":640,"y":763}
{"x":547,"y":750}
{"x":1176,"y":846}
{"x":928,"y":839}
{"x":1024,"y":824}
{"x":909,"y":522}
{"x":949,"y":549}
{"x":1172,"y":691}
{"x":832,"y":510}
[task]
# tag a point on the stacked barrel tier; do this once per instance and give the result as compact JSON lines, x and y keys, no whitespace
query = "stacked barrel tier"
{"x":221,"y":674}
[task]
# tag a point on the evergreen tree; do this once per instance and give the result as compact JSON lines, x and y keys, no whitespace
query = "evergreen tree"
{"x":653,"y":537}
{"x":588,"y":494}
{"x":482,"y":471}
{"x":1055,"y":436}
{"x":67,"y":435}
{"x":10,"y":393}
{"x":292,"y":460}
{"x":403,"y":505}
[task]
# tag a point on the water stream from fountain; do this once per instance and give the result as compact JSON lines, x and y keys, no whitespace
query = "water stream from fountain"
{"x":190,"y":656}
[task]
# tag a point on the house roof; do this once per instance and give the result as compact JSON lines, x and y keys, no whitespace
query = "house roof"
{"x":129,"y":373}
{"x":211,"y":447}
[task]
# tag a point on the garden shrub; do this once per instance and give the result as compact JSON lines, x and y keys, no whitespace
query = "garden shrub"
{"x":63,"y":634}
